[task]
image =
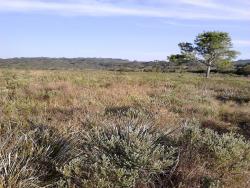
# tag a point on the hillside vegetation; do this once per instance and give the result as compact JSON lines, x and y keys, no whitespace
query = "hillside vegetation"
{"x":240,"y":67}
{"x":114,"y":129}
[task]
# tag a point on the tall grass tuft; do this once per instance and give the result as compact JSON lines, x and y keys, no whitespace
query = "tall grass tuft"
{"x":31,"y":156}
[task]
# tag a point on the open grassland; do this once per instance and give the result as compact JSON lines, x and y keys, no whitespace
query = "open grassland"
{"x":115,"y":129}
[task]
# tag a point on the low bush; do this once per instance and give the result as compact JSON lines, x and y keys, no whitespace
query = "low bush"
{"x":133,"y":112}
{"x":128,"y":155}
{"x":245,"y":70}
{"x":225,"y":156}
{"x":239,"y":96}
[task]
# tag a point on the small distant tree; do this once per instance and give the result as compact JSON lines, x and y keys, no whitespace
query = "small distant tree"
{"x":224,"y":65}
{"x":184,"y":57}
{"x":209,"y":48}
{"x":177,"y":59}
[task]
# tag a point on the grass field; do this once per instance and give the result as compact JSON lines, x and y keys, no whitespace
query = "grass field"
{"x":115,"y":129}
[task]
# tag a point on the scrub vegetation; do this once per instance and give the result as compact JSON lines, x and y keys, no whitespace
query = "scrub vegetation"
{"x":63,"y":128}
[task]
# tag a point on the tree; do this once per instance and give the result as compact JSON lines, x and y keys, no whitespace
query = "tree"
{"x":184,"y":58}
{"x":209,"y":48}
{"x":177,"y":59}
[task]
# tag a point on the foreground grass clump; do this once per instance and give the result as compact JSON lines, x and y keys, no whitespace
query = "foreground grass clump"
{"x":122,"y":156}
{"x":30,"y":156}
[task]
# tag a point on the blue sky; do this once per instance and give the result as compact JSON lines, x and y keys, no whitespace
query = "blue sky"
{"x":130,"y":29}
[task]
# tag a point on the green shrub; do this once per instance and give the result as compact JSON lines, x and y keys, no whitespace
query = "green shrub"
{"x":239,"y":96}
{"x":132,"y":112}
{"x":127,"y":155}
{"x":226,"y":153}
{"x":122,"y":156}
{"x":208,"y":182}
{"x":245,"y":70}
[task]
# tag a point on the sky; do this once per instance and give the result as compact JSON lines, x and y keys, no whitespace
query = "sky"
{"x":128,"y":29}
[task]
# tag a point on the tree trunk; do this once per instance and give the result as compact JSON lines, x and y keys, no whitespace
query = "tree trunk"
{"x":208,"y":69}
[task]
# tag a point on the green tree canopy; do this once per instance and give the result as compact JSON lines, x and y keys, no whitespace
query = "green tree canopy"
{"x":210,"y":48}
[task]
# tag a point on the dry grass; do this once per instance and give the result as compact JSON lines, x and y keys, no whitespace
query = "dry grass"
{"x":70,"y":96}
{"x":72,"y":101}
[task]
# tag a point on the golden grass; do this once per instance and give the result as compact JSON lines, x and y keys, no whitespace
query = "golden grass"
{"x":74,"y":100}
{"x":74,"y":96}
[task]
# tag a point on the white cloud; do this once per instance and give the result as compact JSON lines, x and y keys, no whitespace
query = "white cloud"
{"x":200,"y":3}
{"x":208,"y":9}
{"x":242,"y":42}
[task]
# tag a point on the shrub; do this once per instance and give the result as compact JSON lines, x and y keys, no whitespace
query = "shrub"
{"x":224,"y":155}
{"x":130,"y":154}
{"x":239,"y":96}
{"x":122,"y":156}
{"x":245,"y":70}
{"x":132,"y":112}
{"x":239,"y":118}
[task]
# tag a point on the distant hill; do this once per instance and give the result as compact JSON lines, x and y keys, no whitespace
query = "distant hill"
{"x":242,"y":62}
{"x":60,"y":63}
{"x":44,"y":63}
{"x":78,"y":63}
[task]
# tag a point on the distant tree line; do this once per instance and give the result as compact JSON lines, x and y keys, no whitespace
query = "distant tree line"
{"x":210,"y":51}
